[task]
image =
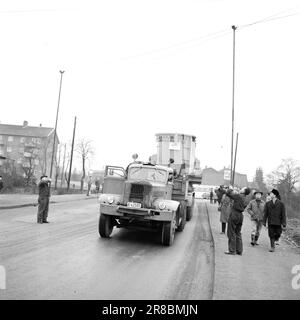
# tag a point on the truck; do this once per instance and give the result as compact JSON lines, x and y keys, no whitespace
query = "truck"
{"x":146,"y":197}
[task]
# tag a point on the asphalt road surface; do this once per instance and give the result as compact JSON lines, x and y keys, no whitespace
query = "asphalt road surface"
{"x":67,"y":259}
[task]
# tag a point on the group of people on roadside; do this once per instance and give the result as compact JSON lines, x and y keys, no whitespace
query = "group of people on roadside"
{"x":233,"y":202}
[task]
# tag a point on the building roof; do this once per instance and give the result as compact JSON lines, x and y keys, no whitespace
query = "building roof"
{"x":175,"y":134}
{"x":25,"y":131}
{"x":213,"y":177}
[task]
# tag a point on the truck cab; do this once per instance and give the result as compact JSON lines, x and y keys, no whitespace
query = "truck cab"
{"x":144,"y":196}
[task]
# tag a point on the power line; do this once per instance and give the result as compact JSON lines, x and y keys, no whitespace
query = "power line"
{"x":209,"y":36}
{"x":268,"y":19}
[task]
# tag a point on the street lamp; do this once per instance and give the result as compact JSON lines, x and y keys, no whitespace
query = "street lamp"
{"x":232,"y":112}
{"x":54,"y":138}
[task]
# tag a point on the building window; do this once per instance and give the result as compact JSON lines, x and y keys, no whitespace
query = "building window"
{"x":34,"y":140}
{"x":39,"y":141}
{"x":9,"y":149}
{"x":1,"y":137}
{"x":159,"y":138}
{"x":171,"y":138}
{"x":10,"y":138}
{"x":22,"y":139}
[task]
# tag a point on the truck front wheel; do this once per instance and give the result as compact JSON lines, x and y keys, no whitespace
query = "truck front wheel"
{"x":182,"y":213}
{"x":105,"y":225}
{"x":168,"y":232}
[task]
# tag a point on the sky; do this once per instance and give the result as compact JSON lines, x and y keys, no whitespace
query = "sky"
{"x":135,"y":68}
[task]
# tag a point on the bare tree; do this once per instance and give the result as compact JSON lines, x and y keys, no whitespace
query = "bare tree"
{"x":29,"y":168}
{"x":287,"y":174}
{"x":85,"y":151}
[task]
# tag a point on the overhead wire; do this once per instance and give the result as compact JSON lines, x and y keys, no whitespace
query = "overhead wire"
{"x":201,"y":39}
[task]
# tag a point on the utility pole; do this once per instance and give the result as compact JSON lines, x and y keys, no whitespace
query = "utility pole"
{"x":232,"y":114}
{"x":71,"y":160}
{"x":63,"y":166}
{"x":55,"y":128}
{"x":236,"y":144}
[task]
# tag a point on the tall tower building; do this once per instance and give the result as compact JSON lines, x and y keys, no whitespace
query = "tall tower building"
{"x":180,"y":147}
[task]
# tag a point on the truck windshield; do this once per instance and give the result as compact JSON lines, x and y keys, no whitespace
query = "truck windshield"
{"x":150,"y":174}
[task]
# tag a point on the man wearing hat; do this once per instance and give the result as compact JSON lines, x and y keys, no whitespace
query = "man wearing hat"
{"x":256,"y":210}
{"x":43,"y":200}
{"x":235,"y":221}
{"x":274,"y":213}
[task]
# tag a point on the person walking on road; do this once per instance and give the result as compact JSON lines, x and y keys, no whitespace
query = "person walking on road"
{"x":220,"y":193}
{"x":89,"y":186}
{"x":225,"y":209}
{"x":43,"y":200}
{"x":211,"y":195}
{"x":256,"y":210}
{"x":274,"y":214}
{"x":235,"y":220}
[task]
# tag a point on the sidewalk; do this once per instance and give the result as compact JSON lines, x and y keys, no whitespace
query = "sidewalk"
{"x":256,"y":275}
{"x":10,"y":201}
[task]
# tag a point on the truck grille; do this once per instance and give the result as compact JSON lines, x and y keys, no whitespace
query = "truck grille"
{"x":136,"y":193}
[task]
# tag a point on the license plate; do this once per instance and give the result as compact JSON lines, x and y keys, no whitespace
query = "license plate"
{"x":134,"y":205}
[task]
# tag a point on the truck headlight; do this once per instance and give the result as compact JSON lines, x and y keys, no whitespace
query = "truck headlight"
{"x":110,"y":200}
{"x":162,"y":206}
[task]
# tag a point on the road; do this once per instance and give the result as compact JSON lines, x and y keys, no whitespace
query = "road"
{"x":66,"y":259}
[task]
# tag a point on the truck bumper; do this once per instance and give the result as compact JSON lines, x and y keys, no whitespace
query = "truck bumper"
{"x":119,"y":211}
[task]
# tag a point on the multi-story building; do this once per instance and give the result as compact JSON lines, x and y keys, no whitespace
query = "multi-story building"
{"x":180,"y":147}
{"x":26,"y":149}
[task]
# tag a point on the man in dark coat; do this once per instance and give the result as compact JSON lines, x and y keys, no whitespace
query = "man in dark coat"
{"x":275,"y":214}
{"x":220,"y":193}
{"x":235,"y":220}
{"x":44,"y":195}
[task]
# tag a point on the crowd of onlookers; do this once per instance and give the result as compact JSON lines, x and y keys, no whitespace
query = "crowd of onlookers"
{"x":264,"y":209}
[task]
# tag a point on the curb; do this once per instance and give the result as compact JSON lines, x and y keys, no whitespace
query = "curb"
{"x":35,"y":204}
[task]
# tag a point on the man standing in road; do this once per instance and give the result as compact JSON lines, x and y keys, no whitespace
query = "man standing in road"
{"x":256,"y":210}
{"x":274,"y":213}
{"x":43,"y":200}
{"x":89,"y":186}
{"x":211,"y":195}
{"x":235,"y":221}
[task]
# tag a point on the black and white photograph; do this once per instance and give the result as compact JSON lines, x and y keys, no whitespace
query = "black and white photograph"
{"x":149,"y":151}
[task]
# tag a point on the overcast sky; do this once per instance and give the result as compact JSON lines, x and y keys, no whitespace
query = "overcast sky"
{"x":136,"y":67}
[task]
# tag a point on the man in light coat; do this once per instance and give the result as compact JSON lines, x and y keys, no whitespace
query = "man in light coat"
{"x":256,"y":210}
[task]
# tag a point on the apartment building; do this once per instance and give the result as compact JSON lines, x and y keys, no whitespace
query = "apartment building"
{"x":26,"y":149}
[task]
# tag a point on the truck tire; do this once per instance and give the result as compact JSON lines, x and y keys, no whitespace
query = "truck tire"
{"x":105,"y":226}
{"x":182,"y":212}
{"x":189,"y":211}
{"x":168,"y":233}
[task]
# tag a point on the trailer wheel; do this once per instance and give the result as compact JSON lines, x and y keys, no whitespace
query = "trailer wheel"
{"x":182,"y":213}
{"x":105,"y":226}
{"x":168,"y":233}
{"x":189,"y":211}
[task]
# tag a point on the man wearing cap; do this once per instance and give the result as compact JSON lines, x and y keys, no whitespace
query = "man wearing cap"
{"x":235,"y":221}
{"x":256,"y":210}
{"x":274,"y":213}
{"x":43,"y":200}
